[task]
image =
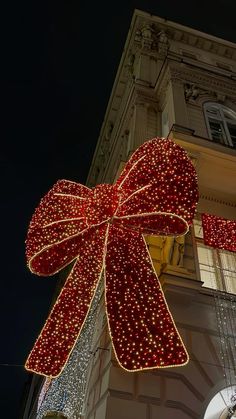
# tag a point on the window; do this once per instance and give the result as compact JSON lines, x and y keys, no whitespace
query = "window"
{"x":217,"y":267}
{"x":221,"y":123}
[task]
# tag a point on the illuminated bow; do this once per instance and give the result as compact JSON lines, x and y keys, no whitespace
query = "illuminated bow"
{"x":101,"y":231}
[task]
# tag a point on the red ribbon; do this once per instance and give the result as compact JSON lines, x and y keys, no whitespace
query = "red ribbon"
{"x":101,"y":231}
{"x":219,"y":232}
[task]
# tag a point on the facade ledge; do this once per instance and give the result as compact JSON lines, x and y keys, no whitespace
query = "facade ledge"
{"x":187,"y":136}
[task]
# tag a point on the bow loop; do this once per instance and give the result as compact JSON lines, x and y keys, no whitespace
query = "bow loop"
{"x":159,"y":189}
{"x":60,"y":217}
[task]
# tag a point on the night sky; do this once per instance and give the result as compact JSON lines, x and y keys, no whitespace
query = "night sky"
{"x":59,"y":61}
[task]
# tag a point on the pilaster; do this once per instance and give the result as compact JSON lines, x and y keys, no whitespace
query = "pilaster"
{"x":179,"y":103}
{"x":139,"y":123}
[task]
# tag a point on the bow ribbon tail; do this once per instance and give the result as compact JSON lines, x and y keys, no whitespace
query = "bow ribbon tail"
{"x":62,"y":328}
{"x":143,"y":331}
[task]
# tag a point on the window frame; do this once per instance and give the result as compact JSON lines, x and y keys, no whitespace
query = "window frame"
{"x":222,"y":120}
{"x":218,"y":269}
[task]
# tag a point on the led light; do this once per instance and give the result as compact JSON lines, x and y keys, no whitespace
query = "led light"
{"x":101,"y":230}
{"x":66,"y":393}
{"x":219,"y":232}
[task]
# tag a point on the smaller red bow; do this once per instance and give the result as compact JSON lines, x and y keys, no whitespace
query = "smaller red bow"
{"x":101,"y":231}
{"x":219,"y":232}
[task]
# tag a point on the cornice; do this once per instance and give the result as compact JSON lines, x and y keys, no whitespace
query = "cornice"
{"x":175,"y":32}
{"x":208,"y":197}
{"x":203,"y":79}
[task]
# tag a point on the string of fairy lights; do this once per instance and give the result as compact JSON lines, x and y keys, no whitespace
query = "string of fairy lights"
{"x":225,"y":314}
{"x":220,"y":233}
{"x":66,"y":393}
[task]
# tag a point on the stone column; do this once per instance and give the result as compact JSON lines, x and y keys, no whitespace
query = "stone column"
{"x":139,"y":123}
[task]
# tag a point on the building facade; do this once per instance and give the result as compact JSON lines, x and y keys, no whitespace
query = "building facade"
{"x":179,"y":83}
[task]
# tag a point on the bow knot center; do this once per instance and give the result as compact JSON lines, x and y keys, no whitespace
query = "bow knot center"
{"x":102,"y":204}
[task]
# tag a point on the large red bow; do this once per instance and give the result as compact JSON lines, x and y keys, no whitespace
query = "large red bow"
{"x":101,"y":231}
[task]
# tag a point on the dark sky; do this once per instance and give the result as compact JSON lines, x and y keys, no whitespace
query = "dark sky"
{"x":59,"y":61}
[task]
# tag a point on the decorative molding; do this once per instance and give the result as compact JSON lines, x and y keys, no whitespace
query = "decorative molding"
{"x":149,"y":400}
{"x":150,"y":38}
{"x":217,"y":200}
{"x":120,"y":394}
{"x":193,"y":77}
{"x":191,"y":91}
{"x":195,"y":95}
{"x":177,"y":33}
{"x":220,"y":98}
{"x":129,"y":66}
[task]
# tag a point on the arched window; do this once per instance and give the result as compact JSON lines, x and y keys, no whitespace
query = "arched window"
{"x":221,"y":123}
